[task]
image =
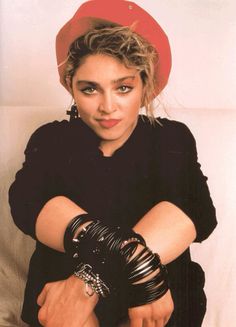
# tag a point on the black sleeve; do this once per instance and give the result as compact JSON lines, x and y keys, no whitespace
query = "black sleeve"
{"x":181,"y":179}
{"x":35,"y":182}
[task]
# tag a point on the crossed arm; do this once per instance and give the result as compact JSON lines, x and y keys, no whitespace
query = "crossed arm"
{"x":167,"y":231}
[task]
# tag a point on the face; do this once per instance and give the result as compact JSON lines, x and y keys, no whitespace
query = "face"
{"x":108,"y":96}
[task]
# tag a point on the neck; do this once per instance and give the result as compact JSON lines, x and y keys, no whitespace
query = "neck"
{"x":109,"y":147}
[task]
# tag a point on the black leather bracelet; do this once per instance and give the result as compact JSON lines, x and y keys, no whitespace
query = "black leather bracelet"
{"x":100,"y":246}
{"x":108,"y":250}
{"x":150,"y":291}
{"x":71,"y":229}
{"x":142,"y":265}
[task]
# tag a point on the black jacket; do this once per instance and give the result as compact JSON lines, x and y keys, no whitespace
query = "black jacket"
{"x":156,"y":163}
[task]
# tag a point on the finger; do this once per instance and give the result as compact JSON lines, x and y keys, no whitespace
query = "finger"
{"x":149,"y":323}
{"x":159,"y":323}
{"x":92,"y":321}
{"x":42,"y":297}
{"x":136,"y":323}
{"x":166,"y":320}
{"x":42,"y":316}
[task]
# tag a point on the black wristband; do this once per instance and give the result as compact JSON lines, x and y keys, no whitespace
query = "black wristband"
{"x":100,"y":247}
{"x":141,"y":266}
{"x":71,"y":229}
{"x":150,"y":291}
{"x":108,"y":252}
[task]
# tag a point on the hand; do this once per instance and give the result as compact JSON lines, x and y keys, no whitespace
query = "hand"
{"x":65,"y":304}
{"x":155,"y":314}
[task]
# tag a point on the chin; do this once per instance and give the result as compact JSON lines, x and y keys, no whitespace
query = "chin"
{"x":109,"y":132}
{"x":109,"y":136}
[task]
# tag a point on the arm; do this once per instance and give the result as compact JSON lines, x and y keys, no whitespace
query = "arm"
{"x":185,"y":213}
{"x":61,"y":303}
{"x":34,"y":187}
{"x":61,"y":209}
{"x":167,"y":230}
{"x":163,"y":232}
{"x":181,"y":180}
{"x":34,"y":183}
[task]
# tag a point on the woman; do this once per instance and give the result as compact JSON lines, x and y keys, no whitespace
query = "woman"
{"x":107,"y":191}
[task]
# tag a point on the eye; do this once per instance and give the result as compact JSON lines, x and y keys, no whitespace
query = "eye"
{"x":88,"y":90}
{"x":125,"y":88}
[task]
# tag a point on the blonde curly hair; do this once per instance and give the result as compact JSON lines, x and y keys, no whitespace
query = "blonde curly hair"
{"x":123,"y":44}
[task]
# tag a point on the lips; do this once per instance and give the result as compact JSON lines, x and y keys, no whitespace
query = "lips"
{"x":108,"y":123}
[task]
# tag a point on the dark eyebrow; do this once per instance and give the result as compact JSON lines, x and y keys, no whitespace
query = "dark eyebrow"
{"x":115,"y":81}
{"x":81,"y":81}
{"x":122,"y":79}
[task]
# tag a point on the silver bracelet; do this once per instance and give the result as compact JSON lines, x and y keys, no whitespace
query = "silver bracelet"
{"x":92,"y":280}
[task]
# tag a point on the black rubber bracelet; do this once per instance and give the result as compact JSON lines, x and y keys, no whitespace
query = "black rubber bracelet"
{"x":71,"y":228}
{"x":149,"y":291}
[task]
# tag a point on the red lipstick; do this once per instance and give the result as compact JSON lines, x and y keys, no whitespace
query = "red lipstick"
{"x":108,"y":123}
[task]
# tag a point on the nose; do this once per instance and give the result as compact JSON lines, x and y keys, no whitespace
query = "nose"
{"x":107,"y":104}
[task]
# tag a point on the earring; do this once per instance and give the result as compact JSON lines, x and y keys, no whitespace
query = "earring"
{"x":73,"y":112}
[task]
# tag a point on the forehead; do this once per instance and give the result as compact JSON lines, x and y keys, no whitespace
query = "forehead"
{"x":99,"y":65}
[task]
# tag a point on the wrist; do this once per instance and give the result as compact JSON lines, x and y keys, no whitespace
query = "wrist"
{"x":147,"y":277}
{"x":96,"y":250}
{"x":99,"y":251}
{"x":79,"y":285}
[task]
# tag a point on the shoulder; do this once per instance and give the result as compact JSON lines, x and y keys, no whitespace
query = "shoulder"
{"x":62,"y":137}
{"x":175,"y":130}
{"x":47,"y":135}
{"x":172,"y":135}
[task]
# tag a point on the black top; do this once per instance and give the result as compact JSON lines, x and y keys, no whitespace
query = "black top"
{"x":158,"y":162}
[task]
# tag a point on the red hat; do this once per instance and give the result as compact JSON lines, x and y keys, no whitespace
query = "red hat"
{"x":124,"y":13}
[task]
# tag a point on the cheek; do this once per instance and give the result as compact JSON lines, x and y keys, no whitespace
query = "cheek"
{"x":136,"y":103}
{"x":86,"y":106}
{"x":133,"y":102}
{"x":132,"y":111}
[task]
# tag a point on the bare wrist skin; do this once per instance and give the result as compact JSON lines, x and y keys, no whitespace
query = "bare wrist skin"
{"x":78,"y":285}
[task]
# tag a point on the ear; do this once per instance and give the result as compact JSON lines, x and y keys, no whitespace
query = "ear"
{"x":69,"y":85}
{"x":143,"y":95}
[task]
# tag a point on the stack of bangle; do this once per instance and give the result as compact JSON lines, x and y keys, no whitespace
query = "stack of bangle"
{"x":71,"y":229}
{"x":104,"y":248}
{"x":99,"y":246}
{"x":140,"y":267}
